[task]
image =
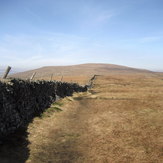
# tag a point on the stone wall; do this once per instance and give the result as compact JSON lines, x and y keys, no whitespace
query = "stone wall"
{"x":21,"y":101}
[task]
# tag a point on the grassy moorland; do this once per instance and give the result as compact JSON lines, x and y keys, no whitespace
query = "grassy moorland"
{"x":77,"y":73}
{"x":118,"y":121}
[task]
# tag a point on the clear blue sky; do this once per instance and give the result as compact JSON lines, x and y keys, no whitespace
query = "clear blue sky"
{"x":36,"y":33}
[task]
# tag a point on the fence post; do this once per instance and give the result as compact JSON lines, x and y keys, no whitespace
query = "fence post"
{"x":61,"y":77}
{"x":33,"y":75}
{"x":6,"y":72}
{"x":51,"y":77}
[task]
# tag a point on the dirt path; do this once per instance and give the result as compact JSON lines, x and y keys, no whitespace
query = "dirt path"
{"x":116,"y":122}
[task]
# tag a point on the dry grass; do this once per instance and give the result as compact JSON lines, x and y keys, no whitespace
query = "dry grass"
{"x":78,"y":72}
{"x":83,"y":80}
{"x":118,"y":121}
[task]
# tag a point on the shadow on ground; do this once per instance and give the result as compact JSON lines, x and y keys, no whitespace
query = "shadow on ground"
{"x":14,"y":148}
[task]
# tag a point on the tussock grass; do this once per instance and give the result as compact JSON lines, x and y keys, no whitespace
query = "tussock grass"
{"x":59,"y":103}
{"x":49,"y":112}
{"x":118,"y":121}
{"x":55,"y":107}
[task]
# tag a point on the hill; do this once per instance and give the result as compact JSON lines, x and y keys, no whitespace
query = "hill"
{"x":119,"y":120}
{"x":79,"y":70}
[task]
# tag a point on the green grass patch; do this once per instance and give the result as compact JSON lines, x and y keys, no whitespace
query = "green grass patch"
{"x":50,"y":111}
{"x":53,"y":109}
{"x":59,"y":103}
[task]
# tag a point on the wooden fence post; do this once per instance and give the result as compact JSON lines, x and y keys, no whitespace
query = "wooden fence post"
{"x":6,"y":72}
{"x":51,"y":77}
{"x":33,"y":75}
{"x":61,"y":77}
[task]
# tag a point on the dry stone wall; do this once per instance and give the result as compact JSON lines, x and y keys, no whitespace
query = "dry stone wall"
{"x":21,"y":101}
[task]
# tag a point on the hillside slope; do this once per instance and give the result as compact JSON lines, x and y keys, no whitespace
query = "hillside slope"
{"x":79,"y":70}
{"x":118,"y":121}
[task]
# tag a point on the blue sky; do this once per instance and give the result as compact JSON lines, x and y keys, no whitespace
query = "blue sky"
{"x":36,"y":33}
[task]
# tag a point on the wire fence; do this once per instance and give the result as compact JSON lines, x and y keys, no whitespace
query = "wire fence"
{"x":9,"y":73}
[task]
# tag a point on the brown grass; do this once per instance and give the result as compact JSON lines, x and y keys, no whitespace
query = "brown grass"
{"x":83,"y":80}
{"x":77,"y":72}
{"x":118,"y":121}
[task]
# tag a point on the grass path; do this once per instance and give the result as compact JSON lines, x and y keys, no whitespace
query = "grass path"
{"x":118,"y":121}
